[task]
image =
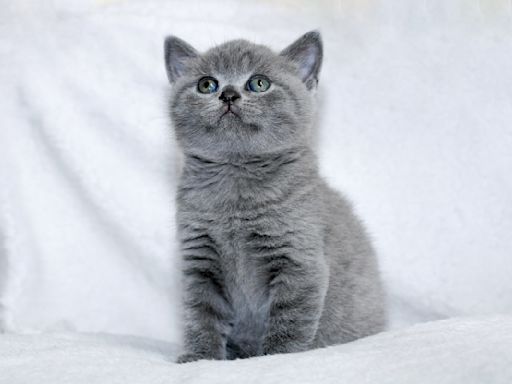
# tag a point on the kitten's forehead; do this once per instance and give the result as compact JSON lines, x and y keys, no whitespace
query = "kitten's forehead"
{"x":238,"y":58}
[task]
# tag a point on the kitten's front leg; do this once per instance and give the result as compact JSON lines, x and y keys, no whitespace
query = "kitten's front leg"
{"x":297,"y":295}
{"x":207,"y":309}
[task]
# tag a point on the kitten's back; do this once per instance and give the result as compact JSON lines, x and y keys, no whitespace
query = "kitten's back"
{"x":354,"y":305}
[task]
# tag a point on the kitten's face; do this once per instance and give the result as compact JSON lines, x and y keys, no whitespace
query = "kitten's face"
{"x":242,"y":98}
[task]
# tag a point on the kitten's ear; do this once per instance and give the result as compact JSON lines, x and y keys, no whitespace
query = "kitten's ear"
{"x":177,"y":53}
{"x":306,"y":54}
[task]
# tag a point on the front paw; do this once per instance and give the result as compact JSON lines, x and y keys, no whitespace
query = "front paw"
{"x":189,"y":357}
{"x":279,"y":344}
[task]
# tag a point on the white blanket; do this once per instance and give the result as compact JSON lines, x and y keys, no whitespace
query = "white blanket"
{"x":461,"y":351}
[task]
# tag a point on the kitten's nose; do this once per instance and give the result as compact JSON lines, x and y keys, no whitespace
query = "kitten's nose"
{"x":229,"y":95}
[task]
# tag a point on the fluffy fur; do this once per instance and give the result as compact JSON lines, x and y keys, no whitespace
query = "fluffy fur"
{"x":274,"y":260}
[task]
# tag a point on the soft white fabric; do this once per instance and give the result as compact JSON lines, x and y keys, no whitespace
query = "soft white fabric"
{"x":461,"y":351}
{"x":414,"y":124}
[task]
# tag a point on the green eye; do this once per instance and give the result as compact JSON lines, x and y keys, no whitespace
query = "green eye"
{"x":207,"y":85}
{"x":258,"y":83}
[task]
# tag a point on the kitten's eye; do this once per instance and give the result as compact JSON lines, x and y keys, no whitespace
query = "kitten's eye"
{"x":258,"y":83}
{"x":207,"y":85}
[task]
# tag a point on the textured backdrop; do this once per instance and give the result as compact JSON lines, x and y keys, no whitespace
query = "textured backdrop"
{"x":415,"y":125}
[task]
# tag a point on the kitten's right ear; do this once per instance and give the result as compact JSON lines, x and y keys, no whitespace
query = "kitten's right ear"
{"x":177,"y":54}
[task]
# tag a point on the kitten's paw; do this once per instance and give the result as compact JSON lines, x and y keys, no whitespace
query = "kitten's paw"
{"x":188,"y":358}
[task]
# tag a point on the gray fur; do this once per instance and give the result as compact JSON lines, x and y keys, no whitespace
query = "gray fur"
{"x":274,"y":260}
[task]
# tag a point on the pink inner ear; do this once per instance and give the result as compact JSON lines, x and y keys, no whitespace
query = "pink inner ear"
{"x":308,"y":61}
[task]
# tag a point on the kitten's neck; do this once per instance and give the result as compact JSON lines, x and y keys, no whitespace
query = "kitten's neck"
{"x":243,"y":181}
{"x":257,"y":165}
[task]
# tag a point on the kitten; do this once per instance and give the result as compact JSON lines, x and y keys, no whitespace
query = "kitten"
{"x":274,"y":260}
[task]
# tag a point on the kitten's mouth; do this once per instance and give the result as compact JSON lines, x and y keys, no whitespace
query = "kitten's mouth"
{"x":229,"y":111}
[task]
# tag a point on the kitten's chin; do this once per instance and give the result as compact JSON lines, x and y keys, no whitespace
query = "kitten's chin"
{"x":230,"y":115}
{"x":234,"y":126}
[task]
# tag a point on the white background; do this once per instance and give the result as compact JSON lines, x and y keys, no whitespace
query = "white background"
{"x":415,"y":126}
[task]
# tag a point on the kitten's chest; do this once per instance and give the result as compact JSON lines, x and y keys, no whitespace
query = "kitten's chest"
{"x":247,"y":212}
{"x":244,"y":270}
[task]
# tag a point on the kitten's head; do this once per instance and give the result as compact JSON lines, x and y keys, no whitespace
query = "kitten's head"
{"x":242,"y":98}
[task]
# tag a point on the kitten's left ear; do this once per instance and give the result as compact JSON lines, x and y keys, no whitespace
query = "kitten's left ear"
{"x":177,"y":52}
{"x":306,"y":54}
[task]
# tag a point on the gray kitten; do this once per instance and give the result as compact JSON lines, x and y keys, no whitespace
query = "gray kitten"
{"x":274,"y":260}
